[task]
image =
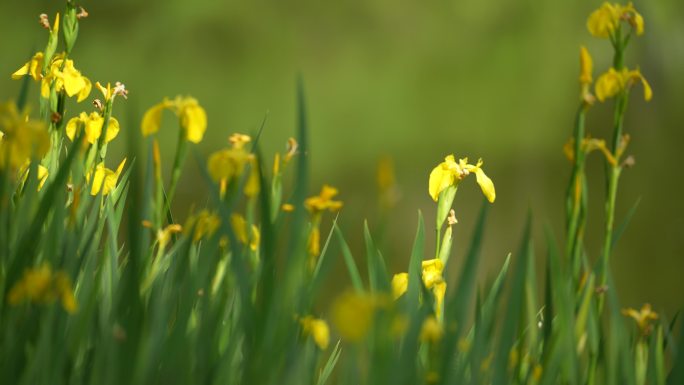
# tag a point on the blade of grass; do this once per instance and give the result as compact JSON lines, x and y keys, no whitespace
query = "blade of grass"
{"x":354,"y":274}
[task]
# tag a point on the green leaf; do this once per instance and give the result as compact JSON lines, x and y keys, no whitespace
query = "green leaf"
{"x":354,"y":274}
{"x":329,"y":365}
{"x":377,"y":270}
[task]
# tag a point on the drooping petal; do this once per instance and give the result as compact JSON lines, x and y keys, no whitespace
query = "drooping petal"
{"x":72,"y":127}
{"x":486,"y":185}
{"x":112,"y":130}
{"x":194,"y":121}
{"x":85,"y":91}
{"x":399,"y":285}
{"x":648,"y":92}
{"x":608,"y":85}
{"x":72,"y":78}
{"x":152,"y":120}
{"x":441,"y":177}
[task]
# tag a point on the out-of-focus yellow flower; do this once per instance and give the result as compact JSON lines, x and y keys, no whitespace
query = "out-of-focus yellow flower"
{"x":431,"y":331}
{"x":203,"y":224}
{"x":245,"y":235}
{"x":93,"y":127}
{"x":32,"y":68}
{"x":353,"y":314}
{"x":432,"y":272}
{"x":450,"y":173}
{"x":604,"y":21}
{"x":42,"y":172}
{"x":22,"y":138}
{"x":643,"y":317}
{"x":323,"y":201}
{"x":287,"y":207}
{"x":399,"y":285}
{"x":43,"y":286}
{"x":318,"y":330}
{"x":164,"y":235}
{"x":239,"y":140}
{"x":589,"y":145}
{"x":105,"y":179}
{"x":252,"y":185}
{"x":432,"y":279}
{"x":613,"y":82}
{"x":227,"y":163}
{"x":313,"y":244}
{"x":193,"y":118}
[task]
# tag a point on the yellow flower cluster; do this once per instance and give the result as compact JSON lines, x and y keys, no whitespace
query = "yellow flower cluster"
{"x":202,"y":225}
{"x":43,"y":286}
{"x":193,"y":118}
{"x":450,"y":173}
{"x":432,"y":279}
{"x":61,"y":74}
{"x":606,"y":20}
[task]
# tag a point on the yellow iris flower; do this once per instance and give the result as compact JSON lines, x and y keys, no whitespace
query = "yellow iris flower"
{"x":93,"y":127}
{"x":43,"y":286}
{"x":643,"y":317}
{"x":318,"y":330}
{"x":22,"y":138}
{"x":323,"y":201}
{"x":450,"y":173}
{"x":105,"y":179}
{"x":60,"y":73}
{"x":202,"y":225}
{"x":604,"y":21}
{"x":32,"y":68}
{"x":193,"y":118}
{"x":432,"y":279}
{"x":613,"y":82}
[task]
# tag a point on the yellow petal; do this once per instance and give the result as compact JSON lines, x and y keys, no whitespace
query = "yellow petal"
{"x":194,"y":121}
{"x":399,"y":285}
{"x":85,"y":91}
{"x":586,"y":66}
{"x":152,"y":120}
{"x":112,"y":130}
{"x":608,"y":85}
{"x":98,"y":179}
{"x":638,"y":23}
{"x":486,"y":185}
{"x":45,"y":88}
{"x":603,"y":21}
{"x":441,"y":177}
{"x":648,"y":92}
{"x":72,"y":127}
{"x":93,"y":127}
{"x":73,"y":81}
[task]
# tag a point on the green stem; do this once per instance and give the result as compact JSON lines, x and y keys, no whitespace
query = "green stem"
{"x":575,"y":197}
{"x":179,"y":160}
{"x":611,"y":194}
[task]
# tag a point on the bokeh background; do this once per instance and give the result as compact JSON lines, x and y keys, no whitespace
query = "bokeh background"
{"x":413,"y":81}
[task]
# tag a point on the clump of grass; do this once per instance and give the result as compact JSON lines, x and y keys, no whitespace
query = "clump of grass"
{"x":100,"y":284}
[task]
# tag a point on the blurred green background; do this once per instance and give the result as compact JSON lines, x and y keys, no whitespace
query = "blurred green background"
{"x":414,"y":81}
